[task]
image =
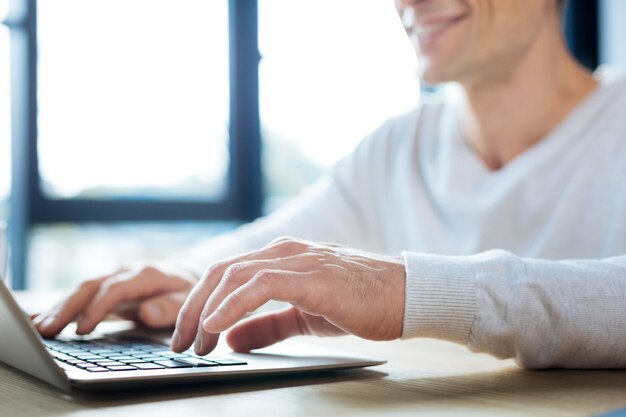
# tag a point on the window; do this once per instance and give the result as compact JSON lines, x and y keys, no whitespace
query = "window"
{"x":331,"y":72}
{"x":61,"y":255}
{"x":140,"y":110}
{"x":133,"y":98}
{"x":612,"y":32}
{"x":5,"y":113}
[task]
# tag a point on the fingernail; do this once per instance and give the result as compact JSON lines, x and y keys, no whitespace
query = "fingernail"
{"x":211,"y":321}
{"x":81,"y":328}
{"x":152,"y":313}
{"x":175,"y":340}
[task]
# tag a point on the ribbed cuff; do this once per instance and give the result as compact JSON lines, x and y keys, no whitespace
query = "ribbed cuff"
{"x":440,"y":298}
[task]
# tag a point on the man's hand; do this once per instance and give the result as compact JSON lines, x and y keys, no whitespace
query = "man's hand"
{"x":151,"y":295}
{"x":332,"y":290}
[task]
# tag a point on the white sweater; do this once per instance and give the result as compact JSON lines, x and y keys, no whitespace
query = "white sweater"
{"x":527,"y":262}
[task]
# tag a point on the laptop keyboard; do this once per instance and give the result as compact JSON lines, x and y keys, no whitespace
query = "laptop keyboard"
{"x":111,"y":355}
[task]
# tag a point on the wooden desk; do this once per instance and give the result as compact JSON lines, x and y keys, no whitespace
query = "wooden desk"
{"x":423,"y":377}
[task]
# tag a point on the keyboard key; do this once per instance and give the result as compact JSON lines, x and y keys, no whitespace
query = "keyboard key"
{"x":173,"y":364}
{"x":147,"y":366}
{"x":134,"y":361}
{"x":115,"y":346}
{"x":98,"y":369}
{"x":105,"y":352}
{"x":163,"y":352}
{"x":85,"y":365}
{"x":155,"y":348}
{"x":99,"y":360}
{"x":79,"y":363}
{"x":172,"y":355}
{"x":147,"y":356}
{"x":200,"y":363}
{"x":133,"y":352}
{"x":88,"y":356}
{"x":121,"y":358}
{"x":146,"y":346}
{"x":121,"y":368}
{"x":71,"y":351}
{"x":62,"y":356}
{"x":85,"y":346}
{"x":228,"y":361}
{"x":109,"y":363}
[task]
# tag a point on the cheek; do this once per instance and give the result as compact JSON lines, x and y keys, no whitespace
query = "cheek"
{"x":447,"y":62}
{"x":498,"y":21}
{"x":504,"y":29}
{"x":495,"y":32}
{"x":512,"y":31}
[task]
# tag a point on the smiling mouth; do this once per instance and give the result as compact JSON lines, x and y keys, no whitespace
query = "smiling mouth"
{"x":428,"y":33}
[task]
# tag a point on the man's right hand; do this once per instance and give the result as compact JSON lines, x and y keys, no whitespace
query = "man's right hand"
{"x":149,"y":294}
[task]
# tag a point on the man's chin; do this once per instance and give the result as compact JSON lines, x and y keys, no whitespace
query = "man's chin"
{"x":432,"y":76}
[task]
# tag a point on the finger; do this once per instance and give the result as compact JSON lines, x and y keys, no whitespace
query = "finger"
{"x":237,"y":275}
{"x":266,"y":285}
{"x":54,"y":321}
{"x":188,"y":322}
{"x":162,"y":310}
{"x":265,"y":330}
{"x":129,"y":286}
{"x":37,"y":319}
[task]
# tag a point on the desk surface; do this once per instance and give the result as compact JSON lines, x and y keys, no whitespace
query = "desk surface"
{"x":422,"y":377}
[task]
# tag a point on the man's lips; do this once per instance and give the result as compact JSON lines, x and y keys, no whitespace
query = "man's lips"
{"x":427,"y":29}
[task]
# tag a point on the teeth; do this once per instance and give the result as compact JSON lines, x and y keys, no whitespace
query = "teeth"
{"x":430,"y":29}
{"x":408,"y":18}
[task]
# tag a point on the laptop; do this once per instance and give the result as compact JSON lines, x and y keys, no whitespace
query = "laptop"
{"x":136,"y":358}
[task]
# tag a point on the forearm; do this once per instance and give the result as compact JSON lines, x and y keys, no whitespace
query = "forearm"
{"x":542,"y":313}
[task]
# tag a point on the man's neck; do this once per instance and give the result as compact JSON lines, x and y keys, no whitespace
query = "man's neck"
{"x":508,"y":113}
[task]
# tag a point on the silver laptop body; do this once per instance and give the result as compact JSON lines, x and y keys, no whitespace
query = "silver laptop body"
{"x":22,"y":348}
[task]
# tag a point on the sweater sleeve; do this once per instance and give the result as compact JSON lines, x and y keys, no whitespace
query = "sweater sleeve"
{"x":569,"y":313}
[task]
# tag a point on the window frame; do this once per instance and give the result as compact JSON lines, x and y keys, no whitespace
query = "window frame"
{"x":29,"y":206}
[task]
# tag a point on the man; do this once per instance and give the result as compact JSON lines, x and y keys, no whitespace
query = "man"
{"x":527,"y":158}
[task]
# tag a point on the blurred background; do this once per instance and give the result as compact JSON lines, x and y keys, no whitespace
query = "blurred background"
{"x":130,"y":130}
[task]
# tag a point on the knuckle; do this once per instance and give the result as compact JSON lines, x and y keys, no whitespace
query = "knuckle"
{"x":234,"y":272}
{"x":148,"y":269}
{"x":233,"y":269}
{"x":290,"y":245}
{"x":319,"y":257}
{"x":211,"y":270}
{"x":207,"y":309}
{"x":236,"y":298}
{"x":88,"y":285}
{"x":278,"y":240}
{"x":112,"y":285}
{"x":264,"y":278}
{"x":203,"y":315}
{"x":205,"y":277}
{"x":183,"y":315}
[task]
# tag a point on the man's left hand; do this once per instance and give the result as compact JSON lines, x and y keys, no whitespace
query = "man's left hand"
{"x":333,"y":290}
